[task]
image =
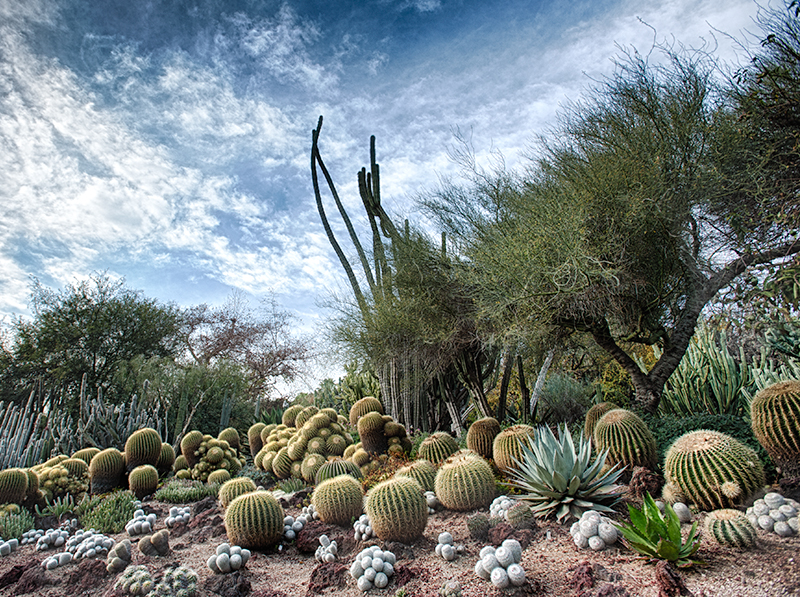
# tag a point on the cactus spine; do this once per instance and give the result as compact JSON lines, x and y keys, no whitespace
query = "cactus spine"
{"x":712,"y":469}
{"x":143,"y":480}
{"x":437,"y":447}
{"x":465,"y":482}
{"x":775,"y":419}
{"x":481,"y":434}
{"x":232,"y":489}
{"x":627,"y":438}
{"x":338,"y":500}
{"x":254,"y":520}
{"x":507,"y":446}
{"x":397,"y":510}
{"x":730,"y":528}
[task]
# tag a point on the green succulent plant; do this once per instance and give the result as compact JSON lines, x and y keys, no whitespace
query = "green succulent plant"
{"x":182,"y":491}
{"x":109,"y":514}
{"x":658,"y":537}
{"x":558,"y":480}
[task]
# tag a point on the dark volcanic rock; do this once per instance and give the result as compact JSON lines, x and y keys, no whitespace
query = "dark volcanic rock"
{"x":203,"y":505}
{"x":13,"y":575}
{"x":32,"y":580}
{"x":327,"y":575}
{"x":308,"y":538}
{"x":87,"y":576}
{"x":228,"y":585}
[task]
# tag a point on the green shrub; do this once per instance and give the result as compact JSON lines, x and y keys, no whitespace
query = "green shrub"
{"x":110,"y":513}
{"x":564,"y":400}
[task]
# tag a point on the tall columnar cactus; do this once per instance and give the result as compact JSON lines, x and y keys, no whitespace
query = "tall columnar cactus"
{"x":230,"y":435}
{"x":338,"y":500}
{"x":465,"y":482}
{"x":397,"y":510}
{"x":106,"y":470}
{"x":370,"y":428}
{"x":166,"y":459}
{"x":594,"y":414}
{"x":254,"y":438}
{"x":481,"y":434}
{"x":422,"y":471}
{"x":232,"y":489}
{"x":189,"y":445}
{"x":730,"y":528}
{"x":437,"y":447}
{"x":86,"y":454}
{"x":13,"y":486}
{"x":254,"y":520}
{"x":775,"y":418}
{"x":713,"y":470}
{"x":142,"y":447}
{"x":143,"y":480}
{"x":508,"y":444}
{"x":627,"y":438}
{"x":334,"y":468}
{"x":361,"y":407}
{"x":290,"y":414}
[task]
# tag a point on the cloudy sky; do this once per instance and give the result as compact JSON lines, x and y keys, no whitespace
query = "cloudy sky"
{"x":167,"y":141}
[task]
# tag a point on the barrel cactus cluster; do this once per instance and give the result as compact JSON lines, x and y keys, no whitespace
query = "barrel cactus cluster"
{"x":480,"y":436}
{"x":775,"y":514}
{"x":627,"y":439}
{"x":501,"y":566}
{"x":507,"y":446}
{"x":204,"y":455}
{"x":775,"y":419}
{"x":338,"y":500}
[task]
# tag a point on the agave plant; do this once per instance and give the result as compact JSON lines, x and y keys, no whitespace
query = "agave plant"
{"x":658,"y":537}
{"x":562,"y":481}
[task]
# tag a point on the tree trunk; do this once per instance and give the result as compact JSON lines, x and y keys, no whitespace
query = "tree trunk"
{"x":508,"y":367}
{"x":524,"y":391}
{"x":540,"y":379}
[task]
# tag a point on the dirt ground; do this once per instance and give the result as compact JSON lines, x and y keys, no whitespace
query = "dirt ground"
{"x":550,"y":559}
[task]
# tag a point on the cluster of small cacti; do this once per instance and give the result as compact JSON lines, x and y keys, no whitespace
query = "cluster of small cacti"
{"x":46,"y":539}
{"x":156,"y":544}
{"x":55,"y":480}
{"x":228,"y":558}
{"x":136,"y":580}
{"x":593,"y":531}
{"x":730,"y":528}
{"x":88,"y":544}
{"x":178,"y":514}
{"x":6,"y":547}
{"x":776,"y":514}
{"x":447,"y":549}
{"x":363,"y":529}
{"x":479,"y":524}
{"x":432,"y":502}
{"x":176,"y":582}
{"x":204,"y":455}
{"x":181,"y":491}
{"x":141,"y":523}
{"x":501,"y":505}
{"x":59,"y":559}
{"x":292,"y":526}
{"x":501,"y":566}
{"x":327,"y":551}
{"x":119,"y":556}
{"x":465,"y":481}
{"x":373,"y":567}
{"x":680,"y":509}
{"x":381,"y":436}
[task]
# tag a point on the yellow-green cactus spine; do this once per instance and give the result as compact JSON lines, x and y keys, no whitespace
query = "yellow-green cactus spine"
{"x":465,"y":482}
{"x":233,"y":488}
{"x":335,"y":445}
{"x":219,"y":476}
{"x":593,"y":415}
{"x":338,"y":500}
{"x":13,"y":486}
{"x":106,"y":470}
{"x":143,"y":480}
{"x":189,"y":445}
{"x":422,"y":471}
{"x":361,"y":407}
{"x":254,"y":438}
{"x":775,"y":419}
{"x":334,"y":468}
{"x":267,"y":458}
{"x":254,"y":520}
{"x":730,"y":528}
{"x":713,"y":470}
{"x":397,"y":510}
{"x":310,"y":465}
{"x":86,"y":454}
{"x":627,"y":438}
{"x":290,"y":414}
{"x":142,"y":447}
{"x":438,"y":447}
{"x":507,"y":447}
{"x":481,"y":434}
{"x":166,"y":459}
{"x":370,"y":428}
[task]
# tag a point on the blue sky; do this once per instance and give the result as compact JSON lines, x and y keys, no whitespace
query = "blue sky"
{"x":167,"y":141}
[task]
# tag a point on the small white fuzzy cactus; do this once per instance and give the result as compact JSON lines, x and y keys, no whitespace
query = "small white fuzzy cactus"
{"x":88,"y":544}
{"x":7,"y":547}
{"x":447,"y":549}
{"x":228,"y":558}
{"x":775,"y":514}
{"x":501,"y":566}
{"x":363,"y":529}
{"x":432,"y":501}
{"x":52,"y":538}
{"x":141,"y":524}
{"x":59,"y":559}
{"x":501,"y":505}
{"x":178,"y":514}
{"x":372,"y":568}
{"x":593,"y":531}
{"x":327,"y":551}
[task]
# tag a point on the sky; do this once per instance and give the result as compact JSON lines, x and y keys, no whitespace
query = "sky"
{"x":168,"y":141}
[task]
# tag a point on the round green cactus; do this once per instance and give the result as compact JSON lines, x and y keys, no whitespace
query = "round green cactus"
{"x":465,"y":482}
{"x":143,"y":480}
{"x":310,"y":465}
{"x":305,"y":415}
{"x":218,"y":476}
{"x":397,"y":510}
{"x":507,"y":447}
{"x":166,"y":459}
{"x":32,"y":493}
{"x":593,"y":415}
{"x":290,"y":414}
{"x":13,"y":486}
{"x":335,"y":445}
{"x":142,"y":447}
{"x":86,"y":454}
{"x":230,"y":435}
{"x":334,"y":468}
{"x":254,"y":438}
{"x":713,"y":470}
{"x":481,"y":434}
{"x":370,"y":428}
{"x":106,"y":470}
{"x":266,"y":460}
{"x":627,"y":438}
{"x":333,"y":416}
{"x":282,"y":464}
{"x":254,"y":520}
{"x":233,"y":488}
{"x":361,"y":407}
{"x":318,"y":421}
{"x":437,"y":447}
{"x":180,"y":463}
{"x":338,"y":500}
{"x":422,"y":471}
{"x":78,"y":469}
{"x":730,"y":528}
{"x":775,"y":419}
{"x":189,"y":445}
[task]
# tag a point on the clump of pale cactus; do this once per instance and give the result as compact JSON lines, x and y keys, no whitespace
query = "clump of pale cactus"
{"x":228,"y":558}
{"x":327,"y":551}
{"x":501,"y":566}
{"x":593,"y":531}
{"x":447,"y":548}
{"x":373,"y":567}
{"x":775,"y":514}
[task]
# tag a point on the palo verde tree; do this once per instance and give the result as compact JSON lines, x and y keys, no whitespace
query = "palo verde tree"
{"x":633,"y":216}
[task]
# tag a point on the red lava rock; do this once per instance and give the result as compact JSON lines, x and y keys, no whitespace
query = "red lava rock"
{"x":308,"y":538}
{"x":404,"y":574}
{"x":228,"y":585}
{"x":88,"y":575}
{"x":327,"y":575}
{"x":206,"y":503}
{"x":502,"y":531}
{"x":670,"y":583}
{"x":178,"y":529}
{"x":582,"y":578}
{"x":13,"y":575}
{"x":32,"y":579}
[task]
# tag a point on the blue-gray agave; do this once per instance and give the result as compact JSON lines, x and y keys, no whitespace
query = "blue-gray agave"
{"x":558,"y":480}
